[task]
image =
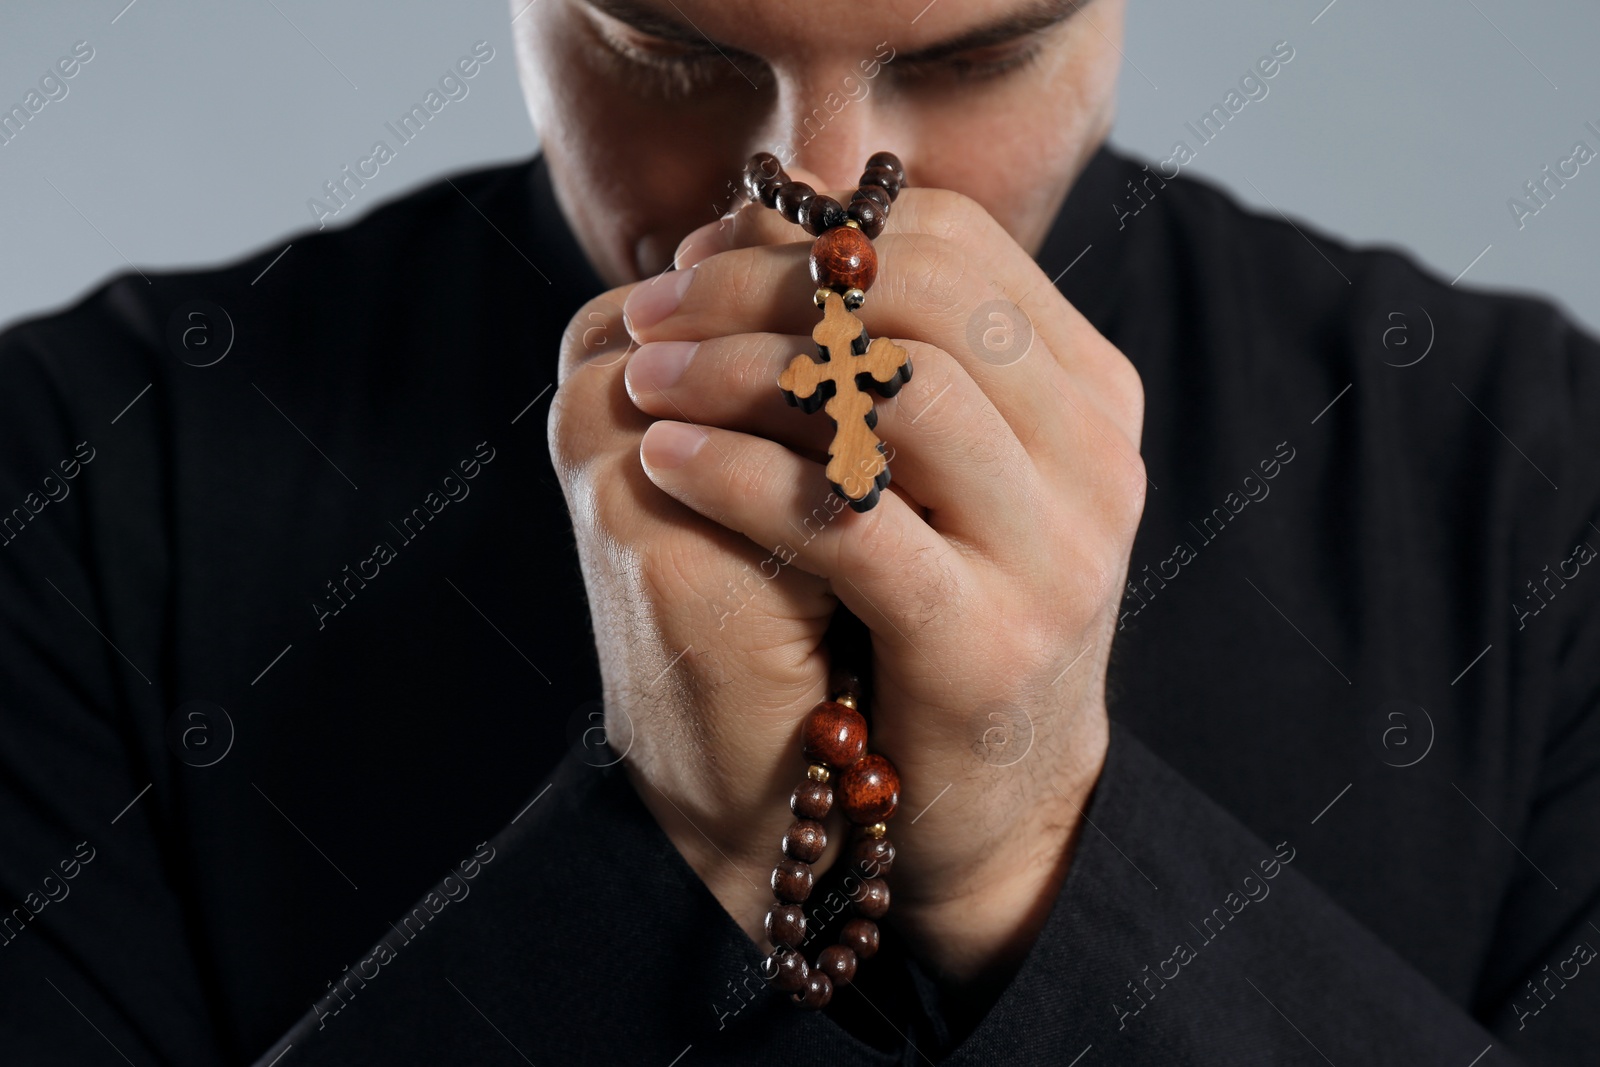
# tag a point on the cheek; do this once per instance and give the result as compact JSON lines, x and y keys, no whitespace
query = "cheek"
{"x":1016,"y":147}
{"x":634,"y":174}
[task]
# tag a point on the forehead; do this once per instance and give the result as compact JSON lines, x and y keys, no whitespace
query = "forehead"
{"x":773,"y":27}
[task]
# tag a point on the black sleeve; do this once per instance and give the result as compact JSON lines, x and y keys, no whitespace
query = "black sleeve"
{"x":96,"y":956}
{"x":1177,"y":937}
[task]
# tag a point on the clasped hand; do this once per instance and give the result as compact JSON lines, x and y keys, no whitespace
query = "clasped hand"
{"x":989,"y":575}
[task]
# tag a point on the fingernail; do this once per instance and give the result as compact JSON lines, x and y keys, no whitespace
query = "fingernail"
{"x":707,"y":241}
{"x":658,"y":365}
{"x":668,"y":445}
{"x":657,"y":298}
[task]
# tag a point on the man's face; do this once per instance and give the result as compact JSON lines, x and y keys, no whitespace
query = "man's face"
{"x":647,"y":109}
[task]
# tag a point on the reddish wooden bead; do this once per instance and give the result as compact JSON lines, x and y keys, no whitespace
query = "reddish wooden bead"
{"x":873,"y":856}
{"x":792,"y":199}
{"x":869,"y":791}
{"x":871,"y":898}
{"x":834,"y":734}
{"x":787,"y":971}
{"x":818,"y":991}
{"x":843,"y":259}
{"x":791,"y":881}
{"x":868,"y":215}
{"x":861,"y":937}
{"x":838,"y":963}
{"x":805,"y":841}
{"x":786,"y":925}
{"x":811,"y":800}
{"x":822,"y":214}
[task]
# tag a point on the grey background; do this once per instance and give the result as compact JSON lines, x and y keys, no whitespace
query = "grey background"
{"x":199,"y":130}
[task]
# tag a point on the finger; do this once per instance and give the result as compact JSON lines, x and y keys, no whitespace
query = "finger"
{"x":950,"y":449}
{"x":876,"y":561}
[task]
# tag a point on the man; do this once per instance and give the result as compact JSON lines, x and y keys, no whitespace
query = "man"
{"x":1242,"y":681}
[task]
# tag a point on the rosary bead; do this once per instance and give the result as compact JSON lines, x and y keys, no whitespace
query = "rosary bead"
{"x":861,"y":937}
{"x":788,"y":968}
{"x":838,"y":963}
{"x":885,"y":177}
{"x":871,"y":898}
{"x":866,"y":213}
{"x":817,"y":992}
{"x":873,"y":856}
{"x":834,"y":734}
{"x":890,"y":160}
{"x":823,"y":213}
{"x":875,"y":193}
{"x":792,"y":199}
{"x":818,"y":773}
{"x":760,"y":172}
{"x":869,"y":792}
{"x":811,"y":800}
{"x":845,"y":685}
{"x":786,"y":925}
{"x":843,"y":259}
{"x":791,"y":881}
{"x":806,"y":840}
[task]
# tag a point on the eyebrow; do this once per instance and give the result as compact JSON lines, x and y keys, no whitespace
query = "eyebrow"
{"x":1036,"y":18}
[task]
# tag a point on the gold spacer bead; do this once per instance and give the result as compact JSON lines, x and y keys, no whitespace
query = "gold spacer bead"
{"x":876,"y":830}
{"x":847,"y":699}
{"x":820,"y":297}
{"x":818,"y":773}
{"x":853,"y":224}
{"x":854,"y":298}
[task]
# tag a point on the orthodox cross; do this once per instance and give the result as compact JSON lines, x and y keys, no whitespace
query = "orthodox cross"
{"x":857,"y":468}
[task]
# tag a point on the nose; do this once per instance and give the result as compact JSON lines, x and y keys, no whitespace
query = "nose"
{"x":833,"y":123}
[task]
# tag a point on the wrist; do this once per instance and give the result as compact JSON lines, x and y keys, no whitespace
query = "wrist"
{"x":977,"y":928}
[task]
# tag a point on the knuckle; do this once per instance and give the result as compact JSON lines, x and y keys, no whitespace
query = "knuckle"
{"x":950,"y":215}
{"x":929,"y":273}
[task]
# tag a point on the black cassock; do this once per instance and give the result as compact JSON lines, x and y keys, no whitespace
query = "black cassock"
{"x":292,"y":630}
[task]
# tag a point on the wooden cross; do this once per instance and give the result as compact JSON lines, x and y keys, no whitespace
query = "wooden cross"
{"x":857,"y":469}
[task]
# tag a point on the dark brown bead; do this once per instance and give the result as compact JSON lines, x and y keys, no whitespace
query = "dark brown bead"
{"x":818,"y":991}
{"x":791,"y":881}
{"x":843,"y":259}
{"x":787,"y":969}
{"x":805,"y":841}
{"x":833,"y":734}
{"x":838,"y":963}
{"x":811,"y":800}
{"x":786,"y":925}
{"x":843,"y":682}
{"x":885,"y":177}
{"x":861,"y":937}
{"x":874,"y":192}
{"x":869,"y":791}
{"x":873,"y":856}
{"x":792,"y":199}
{"x":871,"y":898}
{"x":868,"y":215}
{"x":759,"y":171}
{"x":890,"y":160}
{"x":822,"y":214}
